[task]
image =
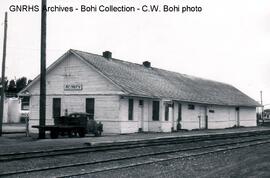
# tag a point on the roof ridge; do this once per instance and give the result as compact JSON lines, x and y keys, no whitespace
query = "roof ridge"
{"x":110,"y":58}
{"x":157,"y":83}
{"x":187,"y":75}
{"x":201,"y":78}
{"x":98,"y":70}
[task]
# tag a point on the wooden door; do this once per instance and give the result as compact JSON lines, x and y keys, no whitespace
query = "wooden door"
{"x":237,"y":117}
{"x":56,"y":107}
{"x":203,"y":118}
{"x":90,"y":107}
{"x":140,"y":115}
{"x":155,"y":111}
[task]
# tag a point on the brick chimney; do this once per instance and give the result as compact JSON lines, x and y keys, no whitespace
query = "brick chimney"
{"x":107,"y":54}
{"x":147,"y":64}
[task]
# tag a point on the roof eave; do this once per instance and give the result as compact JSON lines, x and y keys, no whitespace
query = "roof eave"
{"x":100,"y":72}
{"x":188,"y":101}
{"x":52,"y":66}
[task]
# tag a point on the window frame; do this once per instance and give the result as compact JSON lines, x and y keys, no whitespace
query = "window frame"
{"x":167,"y":108}
{"x":179,"y":112}
{"x":55,"y":100}
{"x":141,"y":103}
{"x":211,"y":111}
{"x":25,"y":102}
{"x":92,"y":111}
{"x":155,"y":109}
{"x":191,"y":107}
{"x":130,"y":109}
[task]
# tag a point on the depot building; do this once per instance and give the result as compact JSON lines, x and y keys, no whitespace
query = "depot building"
{"x":128,"y":97}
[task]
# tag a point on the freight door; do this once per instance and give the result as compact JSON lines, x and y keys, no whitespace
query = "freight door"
{"x":203,"y":120}
{"x":90,"y":107}
{"x":140,"y":116}
{"x":56,"y":107}
{"x":237,"y":117}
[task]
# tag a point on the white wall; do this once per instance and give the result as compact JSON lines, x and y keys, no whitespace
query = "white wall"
{"x":190,"y":118}
{"x":155,"y":126}
{"x":146,"y":115}
{"x":106,"y":110}
{"x":128,"y":126}
{"x":248,"y":116}
{"x":5,"y":113}
{"x":12,"y":108}
{"x":113,"y":111}
{"x":72,"y":70}
{"x":223,"y":117}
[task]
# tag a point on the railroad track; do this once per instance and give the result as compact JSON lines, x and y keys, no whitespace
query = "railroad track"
{"x":124,"y":145}
{"x":159,"y":160}
{"x":133,"y":159}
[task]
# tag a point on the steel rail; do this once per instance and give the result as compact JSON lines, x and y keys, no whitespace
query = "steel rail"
{"x":163,"y":160}
{"x":124,"y":145}
{"x":133,"y":157}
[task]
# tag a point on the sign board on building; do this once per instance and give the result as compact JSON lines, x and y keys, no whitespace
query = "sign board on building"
{"x":72,"y":87}
{"x":169,"y":103}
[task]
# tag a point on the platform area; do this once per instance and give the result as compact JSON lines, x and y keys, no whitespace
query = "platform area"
{"x":18,"y":142}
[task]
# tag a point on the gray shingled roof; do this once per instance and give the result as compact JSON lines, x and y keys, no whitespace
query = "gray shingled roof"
{"x":137,"y":80}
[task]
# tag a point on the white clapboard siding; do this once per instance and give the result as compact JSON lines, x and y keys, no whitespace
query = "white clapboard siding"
{"x":111,"y":108}
{"x":247,"y":116}
{"x":223,"y":117}
{"x":74,"y":71}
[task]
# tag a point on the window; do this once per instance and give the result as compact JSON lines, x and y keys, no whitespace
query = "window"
{"x":212,"y":111}
{"x":25,"y":103}
{"x":166,"y":112}
{"x":90,"y":107}
{"x":179,"y":112}
{"x":130,"y":109}
{"x":155,"y":114}
{"x":56,"y":107}
{"x":140,"y":102}
{"x":191,"y":107}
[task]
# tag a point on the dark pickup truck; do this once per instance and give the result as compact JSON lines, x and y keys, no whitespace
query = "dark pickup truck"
{"x":73,"y":124}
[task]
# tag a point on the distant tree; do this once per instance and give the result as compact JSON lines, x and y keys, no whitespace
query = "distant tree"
{"x":12,"y":86}
{"x":6,"y":83}
{"x":29,"y":81}
{"x":21,"y":83}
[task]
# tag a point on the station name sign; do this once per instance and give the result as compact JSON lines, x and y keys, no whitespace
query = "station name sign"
{"x":73,"y":87}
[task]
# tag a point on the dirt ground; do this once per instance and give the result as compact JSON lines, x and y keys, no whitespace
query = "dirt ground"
{"x":247,"y":162}
{"x":15,"y":139}
{"x":14,"y":128}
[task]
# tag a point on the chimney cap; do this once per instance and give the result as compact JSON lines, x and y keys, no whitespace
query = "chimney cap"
{"x":147,"y":64}
{"x":107,"y":54}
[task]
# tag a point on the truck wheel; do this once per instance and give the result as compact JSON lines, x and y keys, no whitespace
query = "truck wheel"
{"x":98,"y":133}
{"x":70,"y":133}
{"x":54,"y":134}
{"x":81,"y":133}
{"x":62,"y":133}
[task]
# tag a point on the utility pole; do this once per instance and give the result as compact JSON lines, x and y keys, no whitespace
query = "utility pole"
{"x":261,"y":103}
{"x":3,"y":82}
{"x":42,"y":99}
